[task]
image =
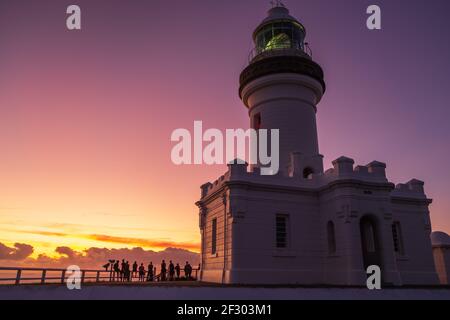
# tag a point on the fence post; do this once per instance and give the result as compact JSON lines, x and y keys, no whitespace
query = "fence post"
{"x":44,"y":272}
{"x":98,"y":276}
{"x":19,"y":273}
{"x":82,"y":276}
{"x":63,"y":276}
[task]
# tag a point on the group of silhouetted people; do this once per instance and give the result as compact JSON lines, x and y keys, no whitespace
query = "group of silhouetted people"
{"x":120,"y":271}
{"x":173,"y":273}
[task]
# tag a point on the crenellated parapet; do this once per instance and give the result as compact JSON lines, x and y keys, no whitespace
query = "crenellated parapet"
{"x":210,"y":188}
{"x":343,"y":168}
{"x":411,"y":189}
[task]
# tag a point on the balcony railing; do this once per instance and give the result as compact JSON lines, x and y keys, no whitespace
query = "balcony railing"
{"x":19,"y":275}
{"x":271,"y":51}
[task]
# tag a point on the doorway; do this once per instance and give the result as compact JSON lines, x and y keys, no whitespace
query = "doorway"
{"x":370,"y":242}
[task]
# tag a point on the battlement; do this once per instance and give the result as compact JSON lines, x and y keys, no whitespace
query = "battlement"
{"x":412,"y":188}
{"x":343,"y":168}
{"x":209,"y":187}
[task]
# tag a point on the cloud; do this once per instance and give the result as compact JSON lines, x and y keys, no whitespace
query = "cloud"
{"x":109,"y":214}
{"x":91,"y":258}
{"x":19,"y":252}
{"x":149,"y":243}
{"x":43,"y":233}
{"x":78,"y":226}
{"x":144,"y":242}
{"x":6,"y":208}
{"x":68,"y":252}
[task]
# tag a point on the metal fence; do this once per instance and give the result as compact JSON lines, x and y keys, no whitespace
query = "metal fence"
{"x":294,"y":50}
{"x":20,"y":275}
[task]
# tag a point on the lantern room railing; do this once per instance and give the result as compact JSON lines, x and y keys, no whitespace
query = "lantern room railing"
{"x":295,"y":50}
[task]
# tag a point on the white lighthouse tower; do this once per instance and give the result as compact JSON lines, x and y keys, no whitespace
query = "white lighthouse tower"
{"x":304,"y":225}
{"x":281,"y":87}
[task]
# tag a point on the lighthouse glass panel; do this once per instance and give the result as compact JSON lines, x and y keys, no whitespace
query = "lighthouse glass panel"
{"x":280,"y":41}
{"x":280,"y":35}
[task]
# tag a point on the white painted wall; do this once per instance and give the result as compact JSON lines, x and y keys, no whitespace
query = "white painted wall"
{"x":249,"y":202}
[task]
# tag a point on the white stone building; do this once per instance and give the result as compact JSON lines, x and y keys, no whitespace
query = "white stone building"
{"x":304,"y":225}
{"x":441,"y":253}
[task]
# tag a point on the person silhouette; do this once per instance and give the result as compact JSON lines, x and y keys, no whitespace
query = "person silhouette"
{"x":150,"y":273}
{"x":111,"y":269}
{"x":163,"y":271}
{"x":122,"y":270}
{"x":116,"y":274}
{"x":177,"y":270}
{"x":190,"y":271}
{"x":171,"y":270}
{"x":135,"y":270}
{"x":187,"y":270}
{"x":141,"y":273}
{"x":128,"y":273}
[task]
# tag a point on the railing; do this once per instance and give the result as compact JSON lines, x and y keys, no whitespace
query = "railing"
{"x":193,"y":277}
{"x":41,"y":276}
{"x":296,"y":50}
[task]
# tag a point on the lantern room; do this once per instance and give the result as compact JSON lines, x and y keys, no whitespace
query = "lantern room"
{"x":279,"y":32}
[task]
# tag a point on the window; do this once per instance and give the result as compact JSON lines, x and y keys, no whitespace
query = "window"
{"x":280,"y":41}
{"x":281,"y":231}
{"x":331,"y":238}
{"x":280,"y":35}
{"x":308,"y":173}
{"x":397,"y":238}
{"x":368,"y":236}
{"x":257,"y":121}
{"x":214,"y":237}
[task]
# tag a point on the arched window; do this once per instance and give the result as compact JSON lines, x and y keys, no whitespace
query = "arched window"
{"x":307,"y":173}
{"x":331,"y":238}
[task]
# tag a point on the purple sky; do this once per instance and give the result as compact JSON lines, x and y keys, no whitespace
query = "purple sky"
{"x":83,"y":112}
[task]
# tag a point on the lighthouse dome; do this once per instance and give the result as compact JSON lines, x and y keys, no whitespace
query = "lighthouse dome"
{"x":278,"y":13}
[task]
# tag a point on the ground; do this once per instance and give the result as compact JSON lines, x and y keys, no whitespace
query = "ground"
{"x":200,"y":291}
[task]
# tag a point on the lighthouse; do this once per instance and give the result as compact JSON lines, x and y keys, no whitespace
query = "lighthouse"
{"x":281,"y":88}
{"x":306,"y":225}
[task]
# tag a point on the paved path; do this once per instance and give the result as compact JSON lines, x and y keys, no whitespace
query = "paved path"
{"x":206,"y":292}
